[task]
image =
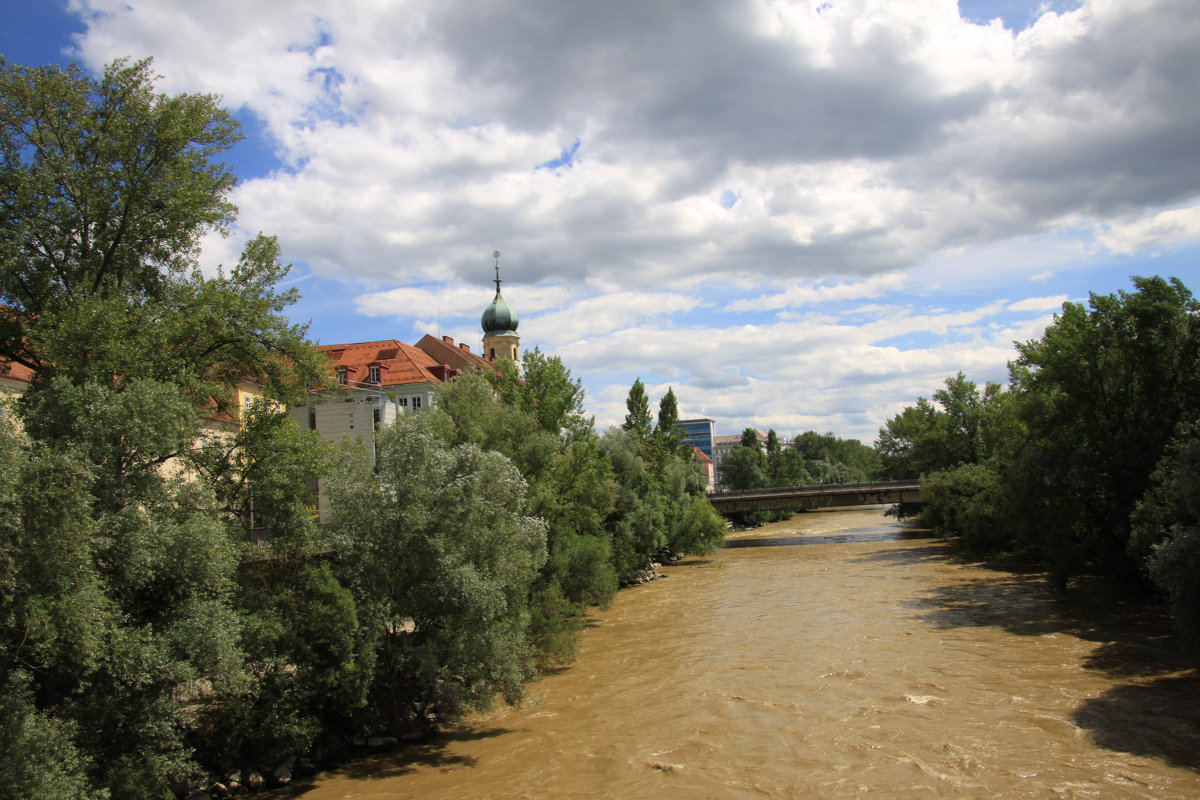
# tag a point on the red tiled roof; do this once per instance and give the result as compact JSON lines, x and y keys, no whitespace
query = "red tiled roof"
{"x":699,"y":455}
{"x":399,"y":364}
{"x":13,"y":371}
{"x":457,"y":356}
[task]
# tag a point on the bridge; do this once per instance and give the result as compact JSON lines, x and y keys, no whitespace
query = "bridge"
{"x":799,"y":498}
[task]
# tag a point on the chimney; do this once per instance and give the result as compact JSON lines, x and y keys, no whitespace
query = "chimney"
{"x":464,"y":346}
{"x":448,"y":340}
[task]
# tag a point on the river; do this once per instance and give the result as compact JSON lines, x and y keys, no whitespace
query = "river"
{"x":836,"y":655}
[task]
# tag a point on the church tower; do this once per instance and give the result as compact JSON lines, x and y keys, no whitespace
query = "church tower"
{"x":499,"y":321}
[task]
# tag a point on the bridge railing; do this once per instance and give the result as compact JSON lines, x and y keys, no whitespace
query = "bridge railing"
{"x":820,"y":488}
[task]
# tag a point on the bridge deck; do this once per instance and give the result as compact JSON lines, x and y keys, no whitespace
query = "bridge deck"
{"x":821,"y":496}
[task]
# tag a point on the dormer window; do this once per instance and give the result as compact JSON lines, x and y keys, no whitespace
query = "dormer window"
{"x":341,"y":376}
{"x":373,"y":373}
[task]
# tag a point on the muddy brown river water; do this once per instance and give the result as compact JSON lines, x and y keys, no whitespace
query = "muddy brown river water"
{"x":836,"y":655}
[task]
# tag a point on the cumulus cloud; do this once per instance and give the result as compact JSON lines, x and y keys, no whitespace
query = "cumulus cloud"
{"x":1164,"y":229}
{"x":806,"y":369}
{"x":858,"y":137}
{"x":639,"y":164}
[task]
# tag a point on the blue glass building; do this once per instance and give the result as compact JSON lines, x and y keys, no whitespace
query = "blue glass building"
{"x":699,"y":433}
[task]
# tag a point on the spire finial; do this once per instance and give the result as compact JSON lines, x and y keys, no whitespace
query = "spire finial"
{"x":496,"y":255}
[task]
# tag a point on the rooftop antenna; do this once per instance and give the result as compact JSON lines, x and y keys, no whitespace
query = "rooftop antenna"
{"x":496,"y":255}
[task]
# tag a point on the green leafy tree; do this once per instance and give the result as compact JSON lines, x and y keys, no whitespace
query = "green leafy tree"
{"x":1104,"y":390}
{"x":570,"y":486}
{"x":826,"y":454}
{"x":668,"y":432}
{"x":107,"y":188}
{"x":128,"y":614}
{"x":961,"y":426}
{"x":744,"y":468}
{"x":1166,"y":529}
{"x":638,"y":521}
{"x":774,"y":455}
{"x":1074,"y":463}
{"x":304,"y":646}
{"x":116,"y":612}
{"x":40,"y":760}
{"x":551,"y":396}
{"x":968,"y":501}
{"x":309,"y":661}
{"x":105,"y":193}
{"x":440,"y":555}
{"x":264,"y":474}
{"x":637,"y":417}
{"x":745,"y":465}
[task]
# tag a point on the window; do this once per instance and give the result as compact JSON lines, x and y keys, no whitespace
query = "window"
{"x":402,"y":402}
{"x":416,"y":404}
{"x":247,"y":400}
{"x":373,"y":375}
{"x":341,"y":375}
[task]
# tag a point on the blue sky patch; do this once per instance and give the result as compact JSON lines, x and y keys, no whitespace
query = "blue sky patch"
{"x":567,"y":159}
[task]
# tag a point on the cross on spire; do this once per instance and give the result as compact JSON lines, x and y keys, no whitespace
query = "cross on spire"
{"x":496,"y":255}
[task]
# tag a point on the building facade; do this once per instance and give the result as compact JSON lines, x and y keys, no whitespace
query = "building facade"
{"x":699,"y":433}
{"x":723,"y":444}
{"x":375,"y":382}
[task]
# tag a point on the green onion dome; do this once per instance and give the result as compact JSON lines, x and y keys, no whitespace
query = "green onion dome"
{"x":498,"y":317}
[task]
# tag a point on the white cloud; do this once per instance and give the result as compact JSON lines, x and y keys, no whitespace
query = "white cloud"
{"x":1038,"y":303}
{"x":878,"y":150}
{"x":794,"y":375}
{"x":457,"y":300}
{"x":799,"y":296}
{"x":862,"y":138}
{"x":1164,"y":229}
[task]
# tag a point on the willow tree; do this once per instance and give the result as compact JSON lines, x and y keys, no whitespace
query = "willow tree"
{"x":437,"y":547}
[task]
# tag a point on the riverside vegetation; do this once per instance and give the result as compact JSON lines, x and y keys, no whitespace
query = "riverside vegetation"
{"x":1089,"y":460}
{"x":145,"y":648}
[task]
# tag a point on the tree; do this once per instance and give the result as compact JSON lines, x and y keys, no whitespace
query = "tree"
{"x":126,"y":598}
{"x":965,"y":426}
{"x":637,"y":417}
{"x":106,"y":190}
{"x":112,"y":611}
{"x":668,"y":432}
{"x":744,"y":468}
{"x":261,"y":475}
{"x":440,"y":556}
{"x":549,"y":394}
{"x":570,"y":486}
{"x":1073,"y":464}
{"x":1166,"y":529}
{"x":774,"y":453}
{"x":638,"y":521}
{"x":1103,"y":392}
{"x":40,"y":760}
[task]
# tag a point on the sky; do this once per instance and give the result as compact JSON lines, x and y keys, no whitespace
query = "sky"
{"x":799,"y":216}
